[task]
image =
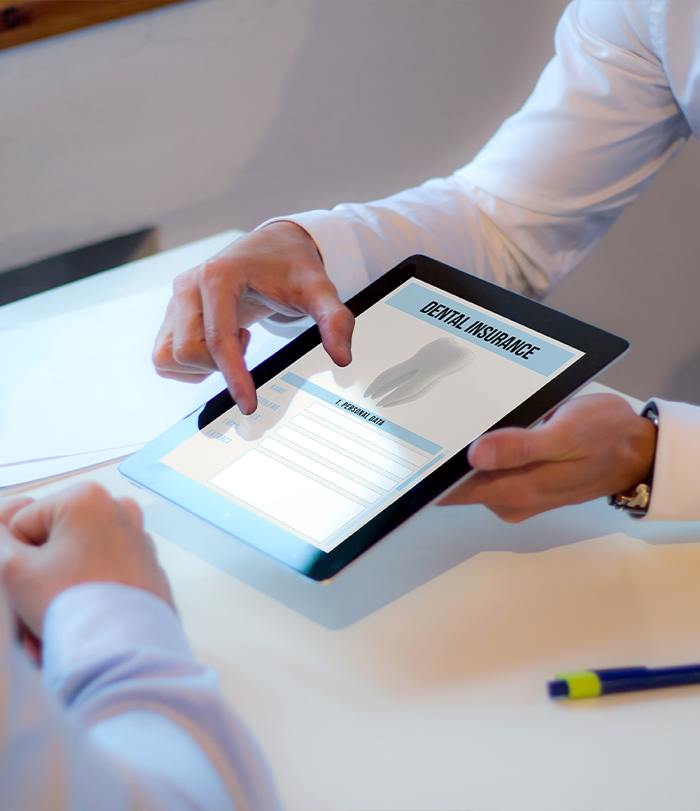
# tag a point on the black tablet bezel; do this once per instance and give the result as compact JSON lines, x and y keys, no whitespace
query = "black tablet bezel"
{"x":600,"y":348}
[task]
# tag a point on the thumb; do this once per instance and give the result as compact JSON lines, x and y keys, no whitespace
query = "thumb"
{"x":10,"y":506}
{"x":511,"y":448}
{"x":11,"y":549}
{"x":32,"y":524}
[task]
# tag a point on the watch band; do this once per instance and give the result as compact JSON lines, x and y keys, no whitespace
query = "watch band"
{"x":635,"y":502}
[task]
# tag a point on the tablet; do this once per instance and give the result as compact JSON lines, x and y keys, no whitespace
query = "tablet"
{"x":335,"y":458}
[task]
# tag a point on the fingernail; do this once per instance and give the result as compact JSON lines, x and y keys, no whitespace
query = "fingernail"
{"x":481,"y":456}
{"x":344,"y":354}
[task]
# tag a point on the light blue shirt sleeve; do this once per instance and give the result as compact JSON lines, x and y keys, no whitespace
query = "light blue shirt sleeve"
{"x":125,"y":718}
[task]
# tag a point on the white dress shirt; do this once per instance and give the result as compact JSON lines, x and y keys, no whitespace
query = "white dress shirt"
{"x":126,"y":718}
{"x":619,"y":98}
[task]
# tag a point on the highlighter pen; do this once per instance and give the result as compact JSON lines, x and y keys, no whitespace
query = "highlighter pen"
{"x":593,"y":683}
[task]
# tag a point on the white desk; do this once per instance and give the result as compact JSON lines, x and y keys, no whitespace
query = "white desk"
{"x":416,"y":679}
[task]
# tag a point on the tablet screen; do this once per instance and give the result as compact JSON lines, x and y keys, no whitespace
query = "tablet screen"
{"x":329,"y":448}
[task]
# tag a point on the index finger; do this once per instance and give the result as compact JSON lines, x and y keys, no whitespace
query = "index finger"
{"x":222,"y":332}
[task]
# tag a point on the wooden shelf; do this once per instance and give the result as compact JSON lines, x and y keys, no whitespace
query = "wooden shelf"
{"x":29,"y":20}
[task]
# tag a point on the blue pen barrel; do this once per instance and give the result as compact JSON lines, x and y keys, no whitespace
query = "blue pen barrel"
{"x":624,"y":680}
{"x":621,"y":672}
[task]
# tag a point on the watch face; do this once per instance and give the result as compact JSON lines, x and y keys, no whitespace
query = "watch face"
{"x":634,"y":501}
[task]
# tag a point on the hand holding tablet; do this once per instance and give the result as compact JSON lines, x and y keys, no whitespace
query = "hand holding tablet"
{"x":335,"y":458}
{"x":591,"y":446}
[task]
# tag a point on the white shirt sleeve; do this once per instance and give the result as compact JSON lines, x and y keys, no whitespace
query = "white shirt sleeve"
{"x":125,"y":719}
{"x":599,"y":124}
{"x":675,"y":492}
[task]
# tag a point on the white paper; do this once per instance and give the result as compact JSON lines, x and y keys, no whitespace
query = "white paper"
{"x":83,"y":382}
{"x":26,"y":472}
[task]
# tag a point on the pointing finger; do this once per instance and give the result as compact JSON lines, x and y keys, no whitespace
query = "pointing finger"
{"x":220,"y":304}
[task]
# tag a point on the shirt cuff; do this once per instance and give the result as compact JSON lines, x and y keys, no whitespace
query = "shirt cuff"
{"x":675,"y":492}
{"x":95,"y":622}
{"x":338,"y":246}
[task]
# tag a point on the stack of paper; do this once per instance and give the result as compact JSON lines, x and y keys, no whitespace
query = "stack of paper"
{"x":80,"y":388}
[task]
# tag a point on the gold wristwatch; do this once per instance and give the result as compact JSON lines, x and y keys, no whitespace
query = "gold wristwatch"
{"x":635,"y":501}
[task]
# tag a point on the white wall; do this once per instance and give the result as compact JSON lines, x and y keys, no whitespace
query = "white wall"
{"x":219,"y":113}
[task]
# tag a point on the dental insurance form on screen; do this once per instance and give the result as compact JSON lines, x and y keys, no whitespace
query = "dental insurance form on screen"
{"x":329,"y":448}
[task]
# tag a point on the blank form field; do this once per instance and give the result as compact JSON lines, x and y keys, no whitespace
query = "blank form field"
{"x":322,"y":451}
{"x":369,"y":433}
{"x":287,"y":495}
{"x":334,"y":437}
{"x":319,"y":469}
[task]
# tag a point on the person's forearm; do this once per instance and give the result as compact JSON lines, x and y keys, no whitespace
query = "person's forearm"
{"x":444,"y":218}
{"x":139,"y":724}
{"x":548,"y":184}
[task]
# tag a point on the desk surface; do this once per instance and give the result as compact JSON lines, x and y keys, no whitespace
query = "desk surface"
{"x":416,"y":679}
